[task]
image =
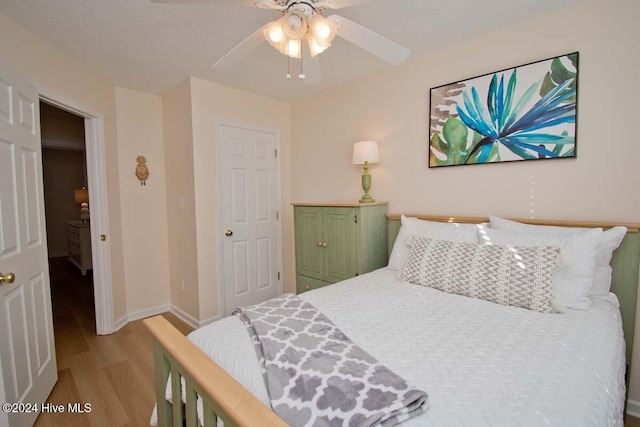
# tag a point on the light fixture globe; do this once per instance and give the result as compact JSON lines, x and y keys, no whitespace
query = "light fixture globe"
{"x":300,"y":23}
{"x":323,"y":29}
{"x":276,"y":35}
{"x":294,"y":48}
{"x":314,"y":47}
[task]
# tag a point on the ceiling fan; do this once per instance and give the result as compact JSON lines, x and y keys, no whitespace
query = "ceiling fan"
{"x":303,"y":20}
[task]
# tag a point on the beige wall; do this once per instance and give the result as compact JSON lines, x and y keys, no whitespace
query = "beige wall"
{"x":210,"y":102}
{"x":63,"y":172}
{"x":392,"y":107}
{"x":65,"y":79}
{"x":144,"y":213}
{"x":181,"y":223}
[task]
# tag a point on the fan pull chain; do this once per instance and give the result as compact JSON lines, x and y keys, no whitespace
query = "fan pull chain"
{"x":301,"y":75}
{"x":288,"y":67}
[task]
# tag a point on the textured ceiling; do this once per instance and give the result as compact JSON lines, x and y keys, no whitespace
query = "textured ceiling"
{"x":151,"y":47}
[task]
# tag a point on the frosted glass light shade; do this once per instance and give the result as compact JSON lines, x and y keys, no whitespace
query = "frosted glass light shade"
{"x":293,"y":48}
{"x":365,"y":151}
{"x":275,"y":32}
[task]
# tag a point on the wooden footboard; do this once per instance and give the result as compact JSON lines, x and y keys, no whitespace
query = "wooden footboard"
{"x":222,"y":396}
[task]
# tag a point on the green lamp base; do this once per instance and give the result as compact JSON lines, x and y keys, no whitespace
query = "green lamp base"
{"x":367,"y":199}
{"x":366,"y":185}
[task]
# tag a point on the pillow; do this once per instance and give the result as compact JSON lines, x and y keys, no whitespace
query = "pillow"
{"x":574,"y":276}
{"x":506,"y":275}
{"x":609,"y":242}
{"x":436,"y":230}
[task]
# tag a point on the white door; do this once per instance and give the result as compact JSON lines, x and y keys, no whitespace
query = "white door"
{"x":27,"y":353}
{"x":249,"y":183}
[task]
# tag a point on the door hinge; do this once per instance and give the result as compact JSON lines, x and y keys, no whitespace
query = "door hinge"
{"x":355,"y":219}
{"x":276,"y":151}
{"x":278,"y":275}
{"x":277,"y":214}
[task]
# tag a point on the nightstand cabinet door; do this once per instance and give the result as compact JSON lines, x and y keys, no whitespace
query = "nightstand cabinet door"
{"x":308,"y":240}
{"x":339,"y":244}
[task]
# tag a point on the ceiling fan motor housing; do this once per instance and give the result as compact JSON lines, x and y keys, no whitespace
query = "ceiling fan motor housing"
{"x":295,"y":24}
{"x":306,"y":7}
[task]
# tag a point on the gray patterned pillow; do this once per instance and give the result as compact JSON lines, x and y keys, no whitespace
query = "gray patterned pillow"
{"x":505,"y":275}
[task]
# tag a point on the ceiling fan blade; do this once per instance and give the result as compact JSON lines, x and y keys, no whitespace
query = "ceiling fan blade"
{"x":339,"y":4}
{"x":311,"y":68}
{"x":370,"y":41}
{"x":239,"y":52}
{"x":249,"y":3}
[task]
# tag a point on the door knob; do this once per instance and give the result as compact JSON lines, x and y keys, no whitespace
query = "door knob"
{"x":7,"y":278}
{"x":228,"y":233}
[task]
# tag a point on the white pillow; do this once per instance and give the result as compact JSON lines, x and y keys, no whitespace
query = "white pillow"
{"x":609,"y":242}
{"x":572,"y":280}
{"x":435,"y":230}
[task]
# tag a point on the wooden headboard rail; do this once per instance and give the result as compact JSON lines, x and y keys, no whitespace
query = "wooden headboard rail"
{"x":625,"y":262}
{"x":631,"y":227}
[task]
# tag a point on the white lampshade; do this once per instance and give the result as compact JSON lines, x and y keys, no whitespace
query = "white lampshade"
{"x":365,"y":151}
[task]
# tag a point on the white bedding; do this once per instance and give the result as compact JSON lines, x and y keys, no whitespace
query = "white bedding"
{"x":481,"y":363}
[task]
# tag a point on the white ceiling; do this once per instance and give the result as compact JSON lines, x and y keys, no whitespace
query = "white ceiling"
{"x":151,"y":47}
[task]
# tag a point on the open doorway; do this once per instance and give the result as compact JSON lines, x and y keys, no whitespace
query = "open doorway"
{"x":95,"y":179}
{"x":66,"y":190}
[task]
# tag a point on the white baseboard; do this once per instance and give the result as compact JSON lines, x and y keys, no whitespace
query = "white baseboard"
{"x":120,"y":323}
{"x":184,"y":316}
{"x":633,"y":408}
{"x":140,"y":314}
{"x":153,"y":311}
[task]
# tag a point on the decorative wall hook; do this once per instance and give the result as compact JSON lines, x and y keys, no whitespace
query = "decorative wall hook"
{"x":142,"y":172}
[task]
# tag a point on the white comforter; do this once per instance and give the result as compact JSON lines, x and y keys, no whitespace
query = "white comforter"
{"x":482,"y":364}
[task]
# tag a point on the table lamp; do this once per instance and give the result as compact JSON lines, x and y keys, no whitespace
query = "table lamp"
{"x":82,"y":198}
{"x":365,"y":152}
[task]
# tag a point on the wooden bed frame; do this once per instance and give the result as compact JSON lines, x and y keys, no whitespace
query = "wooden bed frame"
{"x":224,"y":398}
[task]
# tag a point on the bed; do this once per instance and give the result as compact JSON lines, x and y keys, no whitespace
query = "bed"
{"x":481,"y":363}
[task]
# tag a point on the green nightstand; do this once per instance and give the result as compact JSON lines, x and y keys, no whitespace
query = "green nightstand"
{"x":337,"y":241}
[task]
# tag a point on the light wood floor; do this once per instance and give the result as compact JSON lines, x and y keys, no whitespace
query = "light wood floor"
{"x":113,"y":373}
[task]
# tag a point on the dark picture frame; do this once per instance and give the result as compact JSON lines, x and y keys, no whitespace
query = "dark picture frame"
{"x":527,"y":112}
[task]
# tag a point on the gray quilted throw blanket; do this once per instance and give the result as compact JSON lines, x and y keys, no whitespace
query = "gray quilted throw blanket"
{"x":316,"y":376}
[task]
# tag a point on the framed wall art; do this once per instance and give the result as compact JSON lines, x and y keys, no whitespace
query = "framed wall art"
{"x":526,"y":112}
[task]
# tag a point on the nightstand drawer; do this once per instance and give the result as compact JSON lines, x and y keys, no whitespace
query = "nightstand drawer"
{"x":304,"y":284}
{"x":73,"y":232}
{"x":75,"y":246}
